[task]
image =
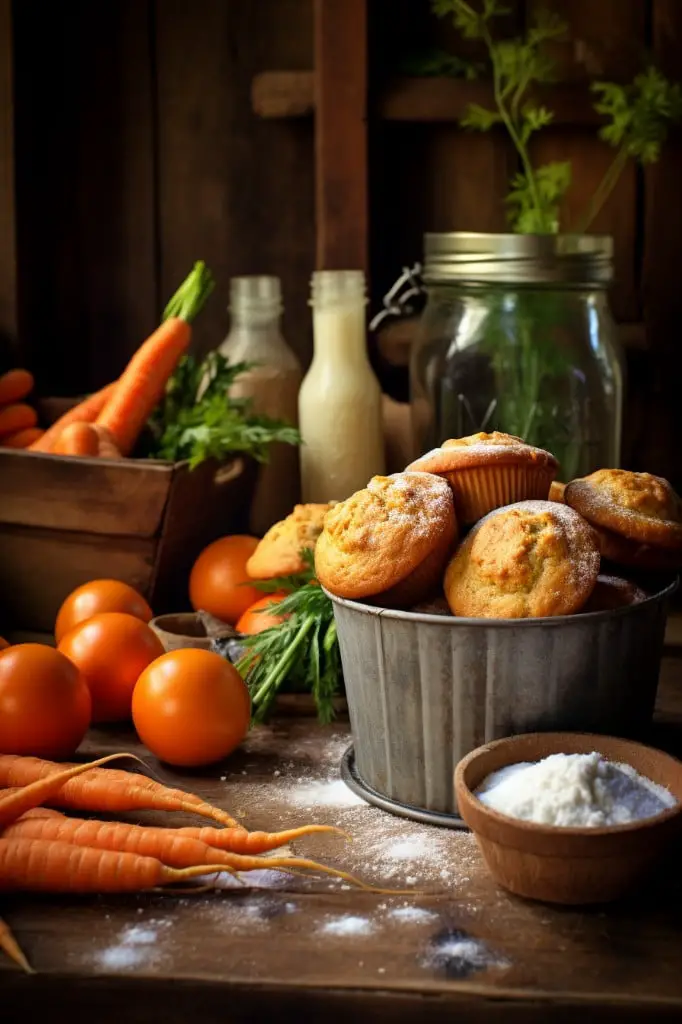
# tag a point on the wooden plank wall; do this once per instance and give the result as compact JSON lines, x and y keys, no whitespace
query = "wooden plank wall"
{"x":136,"y":154}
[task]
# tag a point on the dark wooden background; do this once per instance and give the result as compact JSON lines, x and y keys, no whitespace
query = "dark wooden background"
{"x":133,"y":141}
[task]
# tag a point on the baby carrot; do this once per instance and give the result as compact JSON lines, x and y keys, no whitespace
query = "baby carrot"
{"x":15,"y":385}
{"x":77,"y":439}
{"x":40,"y":865}
{"x":85,"y":412}
{"x":13,"y":805}
{"x":10,"y":946}
{"x":17,"y":417}
{"x":107,"y":790}
{"x":22,"y":438}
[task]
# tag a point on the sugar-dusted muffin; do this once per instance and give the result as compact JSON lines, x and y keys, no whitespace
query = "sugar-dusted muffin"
{"x":390,"y":541}
{"x":488,"y":471}
{"x":613,"y":592}
{"x":526,"y":560}
{"x":279,"y":552}
{"x":639,"y":509}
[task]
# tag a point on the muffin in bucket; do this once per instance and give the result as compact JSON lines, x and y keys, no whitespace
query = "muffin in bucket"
{"x":527,"y":560}
{"x":488,"y":471}
{"x":389,"y":542}
{"x":637,"y":516}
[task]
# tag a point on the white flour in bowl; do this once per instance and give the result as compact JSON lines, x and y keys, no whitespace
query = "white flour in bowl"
{"x":574,"y":791}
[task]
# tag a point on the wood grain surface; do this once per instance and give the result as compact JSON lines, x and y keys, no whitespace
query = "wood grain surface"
{"x":461,"y":947}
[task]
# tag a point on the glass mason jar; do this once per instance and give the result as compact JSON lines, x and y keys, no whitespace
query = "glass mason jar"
{"x":517,"y":336}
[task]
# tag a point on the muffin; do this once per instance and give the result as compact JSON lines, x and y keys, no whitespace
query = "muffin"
{"x":279,"y":552}
{"x":390,"y":541}
{"x":637,"y":516}
{"x":613,"y":592}
{"x":488,"y":471}
{"x":527,"y":560}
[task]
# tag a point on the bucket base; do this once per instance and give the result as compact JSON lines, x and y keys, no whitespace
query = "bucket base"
{"x":354,"y":781}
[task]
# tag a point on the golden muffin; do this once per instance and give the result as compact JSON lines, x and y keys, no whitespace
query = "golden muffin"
{"x":279,"y":552}
{"x":488,"y":471}
{"x":530,"y":559}
{"x":613,"y":592}
{"x":632,"y":512}
{"x":390,"y":541}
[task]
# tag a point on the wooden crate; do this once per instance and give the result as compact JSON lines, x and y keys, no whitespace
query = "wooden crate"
{"x":64,"y":521}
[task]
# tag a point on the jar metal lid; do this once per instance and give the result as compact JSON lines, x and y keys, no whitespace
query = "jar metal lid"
{"x":479,"y":258}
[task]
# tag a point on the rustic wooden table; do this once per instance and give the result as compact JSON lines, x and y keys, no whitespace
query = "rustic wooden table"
{"x":320,"y":950}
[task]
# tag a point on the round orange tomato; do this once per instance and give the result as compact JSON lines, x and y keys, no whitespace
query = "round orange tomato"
{"x":99,"y":596}
{"x":44,"y":703}
{"x":191,"y":708}
{"x":111,"y":650}
{"x":258,"y":616}
{"x":216,"y":583}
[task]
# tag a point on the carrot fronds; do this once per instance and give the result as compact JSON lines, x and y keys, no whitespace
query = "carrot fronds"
{"x":12,"y":949}
{"x":192,"y":294}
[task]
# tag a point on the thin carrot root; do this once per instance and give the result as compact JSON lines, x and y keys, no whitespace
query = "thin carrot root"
{"x":240,"y":840}
{"x":17,"y":803}
{"x":10,"y":946}
{"x":243,"y":863}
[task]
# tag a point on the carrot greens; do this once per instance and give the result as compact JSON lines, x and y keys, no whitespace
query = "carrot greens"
{"x":198,"y":419}
{"x":302,"y":651}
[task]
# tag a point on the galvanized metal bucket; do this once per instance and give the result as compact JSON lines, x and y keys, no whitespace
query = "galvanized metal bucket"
{"x":424,"y":690}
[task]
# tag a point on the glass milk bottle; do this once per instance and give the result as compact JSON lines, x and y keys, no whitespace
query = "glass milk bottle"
{"x":339,"y":405}
{"x":272,"y":385}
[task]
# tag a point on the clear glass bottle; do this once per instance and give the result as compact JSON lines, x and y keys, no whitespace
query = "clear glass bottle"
{"x":517,"y":335}
{"x":339,"y":405}
{"x":273,"y":385}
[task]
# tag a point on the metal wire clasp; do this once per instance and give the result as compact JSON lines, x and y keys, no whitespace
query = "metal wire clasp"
{"x":398,"y":299}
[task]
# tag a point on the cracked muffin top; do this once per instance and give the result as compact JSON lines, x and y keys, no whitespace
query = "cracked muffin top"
{"x":530,"y":559}
{"x":481,"y":450}
{"x":381,"y":534}
{"x":638,"y":506}
{"x":279,"y":552}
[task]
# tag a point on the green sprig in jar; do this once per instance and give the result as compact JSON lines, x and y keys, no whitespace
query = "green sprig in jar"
{"x":517,"y":335}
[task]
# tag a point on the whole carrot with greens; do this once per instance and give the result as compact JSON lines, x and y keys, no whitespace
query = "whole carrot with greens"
{"x":77,"y":439}
{"x":144,"y":380}
{"x":106,"y":790}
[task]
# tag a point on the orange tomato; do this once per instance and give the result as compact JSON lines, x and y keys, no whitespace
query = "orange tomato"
{"x":111,"y":650}
{"x":257,"y":617}
{"x":216,"y":583}
{"x":3,"y":643}
{"x":44,"y":703}
{"x":191,"y":708}
{"x":99,"y":596}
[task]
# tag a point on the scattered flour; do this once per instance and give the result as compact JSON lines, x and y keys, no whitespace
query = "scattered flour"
{"x":412,"y":915}
{"x":574,"y":791}
{"x":459,"y":955}
{"x":349,"y":924}
{"x":329,"y":793}
{"x":136,"y":946}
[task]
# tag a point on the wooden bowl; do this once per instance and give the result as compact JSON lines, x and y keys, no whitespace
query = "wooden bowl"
{"x":179,"y":630}
{"x":567,"y":865}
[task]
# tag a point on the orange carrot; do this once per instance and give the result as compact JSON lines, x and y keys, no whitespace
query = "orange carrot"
{"x":42,"y":865}
{"x":15,"y":385}
{"x":14,"y":804}
{"x":86,"y":411}
{"x":22,"y":438}
{"x":166,"y":844}
{"x":77,"y":439}
{"x":106,"y":790}
{"x":17,"y":417}
{"x":12,"y":949}
{"x":144,"y":379}
{"x":240,"y":840}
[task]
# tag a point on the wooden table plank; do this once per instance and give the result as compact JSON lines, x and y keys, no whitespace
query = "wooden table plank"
{"x":385,"y":957}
